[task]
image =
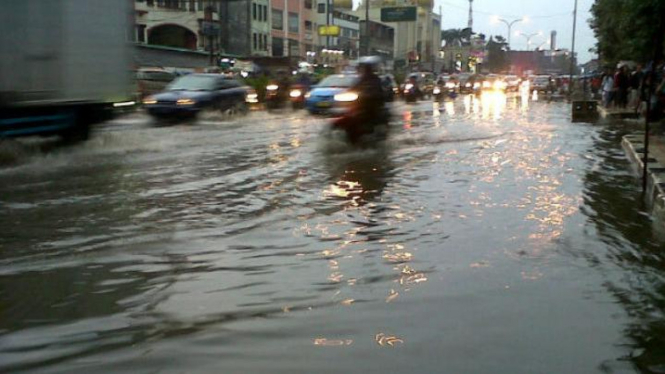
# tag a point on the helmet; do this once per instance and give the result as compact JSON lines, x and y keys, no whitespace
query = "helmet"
{"x":370,"y":62}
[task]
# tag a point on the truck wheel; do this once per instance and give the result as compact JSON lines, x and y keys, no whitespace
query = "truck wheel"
{"x":80,"y":131}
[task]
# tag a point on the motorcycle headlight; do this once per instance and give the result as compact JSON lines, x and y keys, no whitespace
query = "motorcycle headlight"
{"x":295,"y":93}
{"x":467,"y":85}
{"x":185,"y":102}
{"x":408,"y":86}
{"x":149,"y":100}
{"x":450,"y":85}
{"x":346,"y":96}
{"x":272,"y":87}
{"x":252,"y":98}
{"x":308,"y":95}
{"x":487,"y":84}
{"x":436,"y":90}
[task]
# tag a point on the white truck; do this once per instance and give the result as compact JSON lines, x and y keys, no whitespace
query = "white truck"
{"x":64,"y":65}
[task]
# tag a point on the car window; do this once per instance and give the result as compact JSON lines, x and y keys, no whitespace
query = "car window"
{"x":194,"y":83}
{"x":338,"y":81}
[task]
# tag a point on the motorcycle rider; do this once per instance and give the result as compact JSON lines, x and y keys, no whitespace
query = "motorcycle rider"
{"x":369,"y":110}
{"x":371,"y":98}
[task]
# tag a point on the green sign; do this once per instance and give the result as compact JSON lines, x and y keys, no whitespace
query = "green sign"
{"x":398,"y":14}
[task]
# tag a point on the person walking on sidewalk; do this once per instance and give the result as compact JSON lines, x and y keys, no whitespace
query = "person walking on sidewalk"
{"x":608,"y":88}
{"x":621,"y":86}
{"x":636,"y":88}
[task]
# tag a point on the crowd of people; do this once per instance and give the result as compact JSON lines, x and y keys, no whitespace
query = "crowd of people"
{"x":631,"y":89}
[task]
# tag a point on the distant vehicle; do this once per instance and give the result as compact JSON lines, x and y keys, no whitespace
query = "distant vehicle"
{"x":63,"y":75}
{"x":151,"y":81}
{"x":541,"y":83}
{"x":472,"y":84}
{"x":332,"y":94}
{"x":390,"y":87}
{"x":425,"y":82}
{"x":188,"y":95}
{"x":512,"y":83}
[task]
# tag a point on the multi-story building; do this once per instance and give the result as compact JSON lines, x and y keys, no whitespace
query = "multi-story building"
{"x":245,"y":27}
{"x":381,"y":41}
{"x":293,"y":28}
{"x":416,"y":42}
{"x":188,"y":24}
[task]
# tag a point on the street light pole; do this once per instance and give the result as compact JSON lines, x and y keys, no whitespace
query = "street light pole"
{"x":510,"y":26}
{"x":528,"y":38}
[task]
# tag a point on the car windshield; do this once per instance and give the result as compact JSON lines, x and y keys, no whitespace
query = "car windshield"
{"x":338,"y":81}
{"x":193,"y":83}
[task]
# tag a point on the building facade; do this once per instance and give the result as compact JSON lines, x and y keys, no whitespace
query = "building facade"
{"x":416,"y":43}
{"x":177,"y":23}
{"x":245,"y":27}
{"x":345,"y":46}
{"x":293,"y":28}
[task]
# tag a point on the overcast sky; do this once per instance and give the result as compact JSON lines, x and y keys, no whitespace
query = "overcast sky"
{"x":543,"y":15}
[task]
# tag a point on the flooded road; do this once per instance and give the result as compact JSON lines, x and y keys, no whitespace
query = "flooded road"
{"x":485,"y":236}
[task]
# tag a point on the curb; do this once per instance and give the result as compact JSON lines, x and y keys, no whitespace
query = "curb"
{"x":633,"y":145}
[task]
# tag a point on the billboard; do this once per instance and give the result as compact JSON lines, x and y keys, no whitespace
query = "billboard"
{"x":398,"y":14}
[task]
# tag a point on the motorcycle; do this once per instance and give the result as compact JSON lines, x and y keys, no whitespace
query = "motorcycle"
{"x":411,"y":93}
{"x":359,"y":126}
{"x":297,"y":96}
{"x":275,"y":97}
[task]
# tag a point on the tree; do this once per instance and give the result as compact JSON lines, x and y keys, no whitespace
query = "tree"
{"x":497,"y":60}
{"x":629,"y":29}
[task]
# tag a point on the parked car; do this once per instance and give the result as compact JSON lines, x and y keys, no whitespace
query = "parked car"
{"x":152,"y":80}
{"x":190,"y":94}
{"x":331,"y":94}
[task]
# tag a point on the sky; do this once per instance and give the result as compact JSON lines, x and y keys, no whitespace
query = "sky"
{"x":543,"y":16}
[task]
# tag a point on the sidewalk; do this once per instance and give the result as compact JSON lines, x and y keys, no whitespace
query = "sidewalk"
{"x":633,"y":144}
{"x":617,"y":113}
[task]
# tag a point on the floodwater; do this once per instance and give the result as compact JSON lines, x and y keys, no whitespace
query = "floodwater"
{"x":484,"y":236}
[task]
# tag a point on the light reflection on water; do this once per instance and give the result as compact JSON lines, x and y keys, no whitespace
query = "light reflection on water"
{"x":255,"y":249}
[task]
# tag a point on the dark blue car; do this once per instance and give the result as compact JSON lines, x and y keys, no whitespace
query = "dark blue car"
{"x":191,"y":94}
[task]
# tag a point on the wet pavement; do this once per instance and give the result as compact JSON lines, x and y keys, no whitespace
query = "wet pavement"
{"x":488,"y":235}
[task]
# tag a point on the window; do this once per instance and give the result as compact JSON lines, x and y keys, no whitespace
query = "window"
{"x":254,"y":15}
{"x":277,"y":47}
{"x":265,"y":42}
{"x":150,"y":2}
{"x":255,"y":45}
{"x":277,"y":20}
{"x":308,"y":25}
{"x":308,"y":4}
{"x":265,"y":13}
{"x":192,"y":5}
{"x":293,"y":22}
{"x":322,"y":8}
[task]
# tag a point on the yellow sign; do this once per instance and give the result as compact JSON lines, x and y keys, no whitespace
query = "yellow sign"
{"x":329,"y":30}
{"x":343,"y":4}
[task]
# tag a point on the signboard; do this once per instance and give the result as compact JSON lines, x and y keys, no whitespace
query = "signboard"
{"x":329,"y":30}
{"x":398,"y":14}
{"x":210,"y":28}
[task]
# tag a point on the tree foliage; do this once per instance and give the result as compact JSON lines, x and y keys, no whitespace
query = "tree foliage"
{"x":628,"y":29}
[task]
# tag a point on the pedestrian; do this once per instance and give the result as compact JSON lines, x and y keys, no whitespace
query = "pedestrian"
{"x":608,"y":88}
{"x":621,"y":86}
{"x":636,"y":79}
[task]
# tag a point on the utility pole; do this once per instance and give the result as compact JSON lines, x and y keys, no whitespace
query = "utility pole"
{"x":572,"y":54}
{"x":367,"y":38}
